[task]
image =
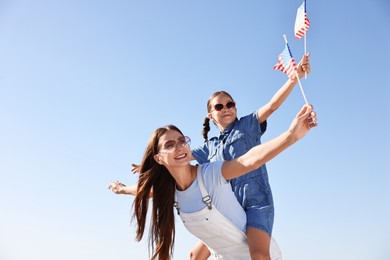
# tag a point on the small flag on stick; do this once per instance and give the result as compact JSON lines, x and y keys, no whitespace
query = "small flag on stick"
{"x":287,"y":65}
{"x":286,"y":62}
{"x":301,"y":25}
{"x":301,"y":22}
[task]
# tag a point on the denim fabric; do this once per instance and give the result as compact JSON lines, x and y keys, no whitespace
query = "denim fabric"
{"x":252,"y":189}
{"x":255,"y":196}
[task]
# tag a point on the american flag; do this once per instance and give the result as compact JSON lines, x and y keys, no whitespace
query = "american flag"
{"x":301,"y":22}
{"x":286,"y":62}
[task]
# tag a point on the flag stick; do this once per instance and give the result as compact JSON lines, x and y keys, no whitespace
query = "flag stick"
{"x":300,"y":86}
{"x":304,"y":44}
{"x":285,"y":38}
{"x":296,"y":74}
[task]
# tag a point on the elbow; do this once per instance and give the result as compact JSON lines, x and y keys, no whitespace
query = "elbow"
{"x":252,"y":165}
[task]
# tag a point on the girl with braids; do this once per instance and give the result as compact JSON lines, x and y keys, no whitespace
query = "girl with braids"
{"x":201,"y":194}
{"x":236,"y":137}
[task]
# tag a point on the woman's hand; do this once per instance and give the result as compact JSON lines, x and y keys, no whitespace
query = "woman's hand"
{"x":117,"y":187}
{"x":305,"y":120}
{"x":135,"y":169}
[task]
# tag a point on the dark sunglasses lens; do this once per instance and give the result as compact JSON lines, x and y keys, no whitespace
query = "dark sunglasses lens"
{"x":230,"y":104}
{"x":218,"y":107}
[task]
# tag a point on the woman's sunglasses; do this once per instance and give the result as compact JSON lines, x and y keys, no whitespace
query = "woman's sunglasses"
{"x":171,"y":145}
{"x":230,"y":104}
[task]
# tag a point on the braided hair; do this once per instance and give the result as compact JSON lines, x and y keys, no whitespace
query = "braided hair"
{"x":206,"y":128}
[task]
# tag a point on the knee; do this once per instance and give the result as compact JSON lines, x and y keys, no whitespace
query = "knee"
{"x":199,"y":252}
{"x":192,"y":255}
{"x":196,"y":255}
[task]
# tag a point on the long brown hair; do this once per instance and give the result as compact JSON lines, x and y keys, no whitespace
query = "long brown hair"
{"x":155,"y":179}
{"x":206,"y":122}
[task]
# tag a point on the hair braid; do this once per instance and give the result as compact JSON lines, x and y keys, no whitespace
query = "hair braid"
{"x":206,"y":128}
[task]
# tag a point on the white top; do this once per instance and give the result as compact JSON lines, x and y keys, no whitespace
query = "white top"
{"x":220,"y":191}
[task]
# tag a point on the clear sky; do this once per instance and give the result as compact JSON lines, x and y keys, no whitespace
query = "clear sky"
{"x":83,"y":84}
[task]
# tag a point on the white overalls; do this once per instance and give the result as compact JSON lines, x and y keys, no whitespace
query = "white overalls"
{"x":224,"y":239}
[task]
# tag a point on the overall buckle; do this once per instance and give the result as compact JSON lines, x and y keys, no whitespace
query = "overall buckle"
{"x":207,"y":201}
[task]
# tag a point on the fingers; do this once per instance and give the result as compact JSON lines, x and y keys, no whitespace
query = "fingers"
{"x":305,"y":111}
{"x":112,"y":184}
{"x":115,"y":185}
{"x":305,"y":63}
{"x":303,"y":122}
{"x":311,"y":120}
{"x":306,"y":57}
{"x":306,"y":66}
{"x":135,"y":169}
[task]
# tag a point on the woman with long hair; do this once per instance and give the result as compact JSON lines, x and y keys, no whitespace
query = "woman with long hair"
{"x":201,"y":194}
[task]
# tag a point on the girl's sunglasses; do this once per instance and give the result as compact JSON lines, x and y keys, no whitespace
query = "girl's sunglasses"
{"x":230,"y":104}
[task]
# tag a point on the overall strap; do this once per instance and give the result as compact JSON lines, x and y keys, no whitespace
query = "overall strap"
{"x":176,"y":204}
{"x":205,"y":196}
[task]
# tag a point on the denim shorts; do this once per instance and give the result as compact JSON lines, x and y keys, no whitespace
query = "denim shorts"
{"x":255,"y":196}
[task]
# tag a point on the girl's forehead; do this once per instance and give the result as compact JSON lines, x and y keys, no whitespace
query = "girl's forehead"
{"x":221,"y":98}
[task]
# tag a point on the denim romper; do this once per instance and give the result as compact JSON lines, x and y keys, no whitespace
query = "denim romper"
{"x":252,"y":190}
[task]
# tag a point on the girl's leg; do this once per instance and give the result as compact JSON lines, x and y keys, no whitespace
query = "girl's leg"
{"x":259,"y":244}
{"x":199,"y":252}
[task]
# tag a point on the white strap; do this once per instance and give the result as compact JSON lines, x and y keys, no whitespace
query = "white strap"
{"x":205,"y":196}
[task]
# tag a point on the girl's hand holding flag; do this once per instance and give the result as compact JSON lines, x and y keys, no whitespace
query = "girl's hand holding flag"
{"x":303,"y":67}
{"x":287,"y":65}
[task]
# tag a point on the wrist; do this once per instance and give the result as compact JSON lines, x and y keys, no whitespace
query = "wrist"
{"x":294,"y":79}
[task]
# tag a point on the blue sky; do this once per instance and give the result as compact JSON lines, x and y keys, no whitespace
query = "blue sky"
{"x":84,"y":83}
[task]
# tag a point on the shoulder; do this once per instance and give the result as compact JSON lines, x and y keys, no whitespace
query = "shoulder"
{"x":211,"y":167}
{"x":251,"y":117}
{"x":250,"y":124}
{"x":247,"y":121}
{"x":212,"y":172}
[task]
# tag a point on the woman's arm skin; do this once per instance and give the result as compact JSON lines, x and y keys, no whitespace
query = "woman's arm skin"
{"x":260,"y":154}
